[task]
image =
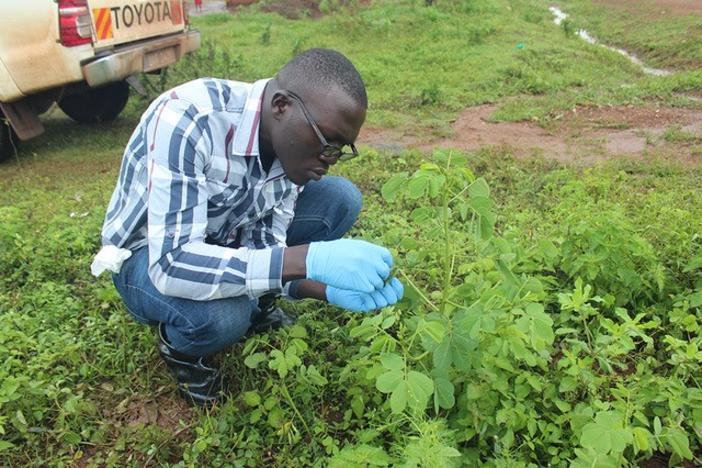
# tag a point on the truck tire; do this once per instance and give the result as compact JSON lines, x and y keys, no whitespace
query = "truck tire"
{"x":101,"y":104}
{"x":8,"y":140}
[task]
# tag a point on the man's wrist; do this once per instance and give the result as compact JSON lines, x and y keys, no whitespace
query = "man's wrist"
{"x":295,"y":263}
{"x":308,"y":289}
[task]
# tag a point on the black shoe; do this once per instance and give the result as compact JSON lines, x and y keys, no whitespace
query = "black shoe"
{"x":199,"y":381}
{"x":270,"y":317}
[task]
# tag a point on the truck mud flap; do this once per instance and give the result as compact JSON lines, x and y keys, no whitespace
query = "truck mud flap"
{"x":23,"y":118}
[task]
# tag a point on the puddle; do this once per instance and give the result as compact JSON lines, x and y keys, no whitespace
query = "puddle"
{"x":559,"y":17}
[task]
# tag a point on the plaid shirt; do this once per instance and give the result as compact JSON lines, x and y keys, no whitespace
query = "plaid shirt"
{"x":192,"y":188}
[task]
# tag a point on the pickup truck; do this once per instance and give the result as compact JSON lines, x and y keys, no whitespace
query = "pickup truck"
{"x":82,"y":55}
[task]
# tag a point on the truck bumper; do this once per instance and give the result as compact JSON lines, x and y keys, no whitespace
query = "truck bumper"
{"x":142,"y":57}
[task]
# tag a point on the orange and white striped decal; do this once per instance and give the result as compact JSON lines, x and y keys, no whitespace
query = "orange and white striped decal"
{"x":103,"y":23}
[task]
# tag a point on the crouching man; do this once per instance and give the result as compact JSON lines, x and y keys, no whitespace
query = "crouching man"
{"x":222,"y":205}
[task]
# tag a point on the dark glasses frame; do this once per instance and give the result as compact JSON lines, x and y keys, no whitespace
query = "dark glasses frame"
{"x":329,"y":151}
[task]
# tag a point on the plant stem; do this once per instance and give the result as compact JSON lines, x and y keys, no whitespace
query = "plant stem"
{"x":448,"y":247}
{"x":409,"y":280}
{"x":284,"y":388}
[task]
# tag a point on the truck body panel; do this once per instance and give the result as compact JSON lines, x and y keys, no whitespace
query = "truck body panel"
{"x":60,"y":50}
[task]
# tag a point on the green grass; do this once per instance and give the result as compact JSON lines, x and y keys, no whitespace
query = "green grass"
{"x":77,"y":370}
{"x":675,"y":134}
{"x":669,"y":40}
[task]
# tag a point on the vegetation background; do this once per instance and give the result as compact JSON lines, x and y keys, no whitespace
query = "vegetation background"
{"x":553,"y":304}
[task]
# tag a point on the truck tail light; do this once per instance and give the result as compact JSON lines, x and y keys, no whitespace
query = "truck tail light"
{"x":74,"y":22}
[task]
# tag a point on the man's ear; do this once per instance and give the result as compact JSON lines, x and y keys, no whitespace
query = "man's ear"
{"x":280,"y":103}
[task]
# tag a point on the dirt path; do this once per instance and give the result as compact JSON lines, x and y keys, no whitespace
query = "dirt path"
{"x":582,"y":136}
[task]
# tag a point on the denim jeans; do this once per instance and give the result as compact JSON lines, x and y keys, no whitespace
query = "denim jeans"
{"x":325,"y":210}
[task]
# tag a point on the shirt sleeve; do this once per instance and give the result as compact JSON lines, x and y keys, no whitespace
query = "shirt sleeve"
{"x":181,"y":264}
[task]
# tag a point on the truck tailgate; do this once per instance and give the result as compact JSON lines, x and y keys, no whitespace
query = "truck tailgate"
{"x":120,"y":21}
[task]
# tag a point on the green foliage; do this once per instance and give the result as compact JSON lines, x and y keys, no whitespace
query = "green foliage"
{"x":675,"y":134}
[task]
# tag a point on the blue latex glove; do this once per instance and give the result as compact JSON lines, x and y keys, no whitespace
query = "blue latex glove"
{"x":365,"y":302}
{"x":349,"y":264}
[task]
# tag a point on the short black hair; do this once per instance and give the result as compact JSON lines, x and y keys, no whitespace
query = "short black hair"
{"x":320,"y":69}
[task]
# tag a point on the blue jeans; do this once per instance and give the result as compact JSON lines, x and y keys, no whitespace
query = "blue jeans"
{"x":325,"y":210}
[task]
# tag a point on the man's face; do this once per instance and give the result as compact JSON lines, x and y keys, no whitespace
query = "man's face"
{"x":295,"y":142}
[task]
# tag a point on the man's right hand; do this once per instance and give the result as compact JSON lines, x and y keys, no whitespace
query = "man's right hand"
{"x":349,"y":264}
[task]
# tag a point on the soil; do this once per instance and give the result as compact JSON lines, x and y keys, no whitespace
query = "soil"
{"x":291,"y":9}
{"x":583,"y":136}
{"x":662,"y":7}
{"x":165,"y":410}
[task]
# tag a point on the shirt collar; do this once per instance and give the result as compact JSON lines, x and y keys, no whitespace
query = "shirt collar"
{"x":246,"y":136}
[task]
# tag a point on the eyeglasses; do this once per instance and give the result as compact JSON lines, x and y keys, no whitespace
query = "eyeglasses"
{"x":329,"y":151}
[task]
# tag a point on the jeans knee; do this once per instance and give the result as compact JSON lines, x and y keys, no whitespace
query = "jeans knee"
{"x":223,"y":324}
{"x":350,"y":202}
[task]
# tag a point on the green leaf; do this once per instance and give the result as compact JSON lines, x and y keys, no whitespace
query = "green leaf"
{"x":71,"y":438}
{"x":481,"y":205}
{"x":315,"y":377}
{"x":358,"y":405}
{"x":679,"y":443}
{"x":278,"y":363}
{"x":421,"y":214}
{"x":418,"y":185}
{"x":479,"y":188}
{"x":392,"y":187}
{"x":360,"y":456}
{"x":433,"y":331}
{"x":607,"y":434}
{"x":252,"y":361}
{"x":442,"y":355}
{"x":398,"y":399}
{"x":694,"y":264}
{"x":657,"y":428}
{"x":252,"y":399}
{"x":641,"y":438}
{"x":297,"y":331}
{"x":695,"y":299}
{"x":419,"y":389}
{"x":20,"y":417}
{"x":444,"y":394}
{"x":389,"y":381}
{"x":392,"y":361}
{"x":435,"y":184}
{"x":538,"y":326}
{"x":4,"y":445}
{"x":593,"y":458}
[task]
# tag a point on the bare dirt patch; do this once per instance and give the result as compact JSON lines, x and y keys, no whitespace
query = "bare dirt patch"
{"x":583,"y":136}
{"x":659,"y":7}
{"x":291,"y":9}
{"x":165,"y":411}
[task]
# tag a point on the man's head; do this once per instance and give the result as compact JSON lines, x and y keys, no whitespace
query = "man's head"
{"x":313,"y":108}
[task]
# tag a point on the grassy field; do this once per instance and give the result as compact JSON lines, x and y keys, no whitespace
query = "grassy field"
{"x":552,"y":313}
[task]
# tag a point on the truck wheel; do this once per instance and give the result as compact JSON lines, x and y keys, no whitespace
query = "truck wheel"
{"x":96,"y":104}
{"x":8,"y":139}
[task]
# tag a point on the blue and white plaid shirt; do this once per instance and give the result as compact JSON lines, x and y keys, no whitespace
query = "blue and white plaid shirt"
{"x":192,"y":188}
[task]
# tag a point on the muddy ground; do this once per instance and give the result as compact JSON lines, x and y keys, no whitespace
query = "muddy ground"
{"x":658,"y":7}
{"x":582,"y":136}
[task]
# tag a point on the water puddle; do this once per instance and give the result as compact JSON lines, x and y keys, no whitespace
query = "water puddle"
{"x":559,"y":17}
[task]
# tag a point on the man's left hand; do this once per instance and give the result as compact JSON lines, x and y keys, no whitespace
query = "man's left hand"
{"x":357,"y":301}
